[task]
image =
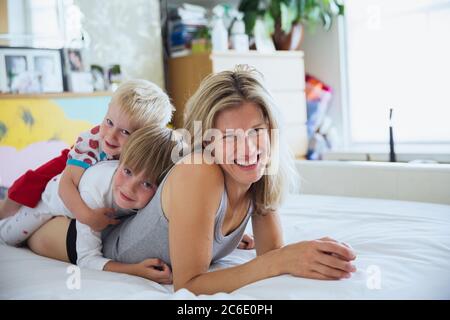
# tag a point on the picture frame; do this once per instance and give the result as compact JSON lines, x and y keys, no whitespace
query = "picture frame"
{"x":31,"y":70}
{"x":79,"y":79}
{"x":75,"y":60}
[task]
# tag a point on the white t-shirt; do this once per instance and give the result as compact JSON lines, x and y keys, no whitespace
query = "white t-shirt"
{"x":95,"y":189}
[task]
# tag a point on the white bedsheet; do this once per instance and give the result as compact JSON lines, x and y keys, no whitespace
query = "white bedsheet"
{"x":403,"y":252}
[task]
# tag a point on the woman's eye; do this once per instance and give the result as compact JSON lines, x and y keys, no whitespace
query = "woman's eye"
{"x":127,"y":172}
{"x":257,"y":131}
{"x":253,"y":132}
{"x":125,"y":132}
{"x":109,"y":122}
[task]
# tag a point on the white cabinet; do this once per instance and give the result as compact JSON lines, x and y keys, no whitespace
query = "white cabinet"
{"x":283,"y":73}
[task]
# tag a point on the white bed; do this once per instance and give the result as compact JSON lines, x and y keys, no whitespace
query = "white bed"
{"x":403,"y":251}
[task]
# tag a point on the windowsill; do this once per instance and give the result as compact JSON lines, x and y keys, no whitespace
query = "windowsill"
{"x":404,"y":153}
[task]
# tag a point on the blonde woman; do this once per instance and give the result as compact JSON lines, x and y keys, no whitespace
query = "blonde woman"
{"x":201,"y":208}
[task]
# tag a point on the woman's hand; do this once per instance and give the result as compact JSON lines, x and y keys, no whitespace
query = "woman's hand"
{"x":324,"y":259}
{"x":155,"y":270}
{"x":247,"y":242}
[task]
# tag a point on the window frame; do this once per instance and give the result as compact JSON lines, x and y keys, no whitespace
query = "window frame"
{"x":352,"y":150}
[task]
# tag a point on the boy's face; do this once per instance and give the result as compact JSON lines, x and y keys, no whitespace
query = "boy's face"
{"x":115,"y":130}
{"x":131,"y":190}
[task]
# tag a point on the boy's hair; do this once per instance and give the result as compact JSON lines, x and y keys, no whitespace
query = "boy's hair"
{"x":149,"y":150}
{"x":144,"y":102}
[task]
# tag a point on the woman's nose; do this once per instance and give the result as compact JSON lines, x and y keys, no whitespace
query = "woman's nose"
{"x":248,"y":149}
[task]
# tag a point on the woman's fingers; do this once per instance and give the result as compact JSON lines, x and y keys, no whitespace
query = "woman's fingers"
{"x":330,"y":272}
{"x":337,"y":248}
{"x":335,"y":262}
{"x":332,"y":240}
{"x":247,"y":242}
{"x":318,"y":275}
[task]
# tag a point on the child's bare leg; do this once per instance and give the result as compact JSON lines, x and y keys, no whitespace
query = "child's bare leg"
{"x":8,"y":207}
{"x":50,"y":239}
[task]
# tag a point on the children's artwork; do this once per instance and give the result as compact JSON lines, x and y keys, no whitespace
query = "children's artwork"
{"x":35,"y":130}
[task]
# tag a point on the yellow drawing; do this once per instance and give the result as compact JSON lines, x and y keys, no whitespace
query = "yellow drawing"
{"x":27,"y":121}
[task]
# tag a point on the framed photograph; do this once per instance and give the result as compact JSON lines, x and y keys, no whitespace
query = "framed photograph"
{"x":75,"y":59}
{"x":78,"y":78}
{"x":98,"y":77}
{"x":30,"y":70}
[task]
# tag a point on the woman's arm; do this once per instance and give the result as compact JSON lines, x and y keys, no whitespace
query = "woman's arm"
{"x":267,"y":232}
{"x":191,"y":197}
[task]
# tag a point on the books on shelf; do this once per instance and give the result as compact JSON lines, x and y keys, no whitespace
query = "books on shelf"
{"x":185,"y":22}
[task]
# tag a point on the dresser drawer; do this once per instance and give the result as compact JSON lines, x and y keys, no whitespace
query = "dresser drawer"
{"x":291,"y":105}
{"x":297,"y":139}
{"x":283,"y":71}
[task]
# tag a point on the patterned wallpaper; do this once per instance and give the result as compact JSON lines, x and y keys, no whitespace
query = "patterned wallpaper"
{"x":126,"y":33}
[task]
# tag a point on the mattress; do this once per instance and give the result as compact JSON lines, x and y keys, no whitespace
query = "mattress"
{"x":403,"y":252}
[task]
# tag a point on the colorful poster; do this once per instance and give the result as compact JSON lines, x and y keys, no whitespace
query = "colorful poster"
{"x":35,"y":130}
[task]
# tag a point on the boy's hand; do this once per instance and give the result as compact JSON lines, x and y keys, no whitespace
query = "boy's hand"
{"x":155,"y":270}
{"x":247,"y":242}
{"x":101,"y":218}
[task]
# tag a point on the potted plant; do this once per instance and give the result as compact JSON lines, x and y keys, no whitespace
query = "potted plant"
{"x":286,"y":19}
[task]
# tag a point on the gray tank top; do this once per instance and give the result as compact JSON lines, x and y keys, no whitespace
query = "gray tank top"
{"x":146,"y":234}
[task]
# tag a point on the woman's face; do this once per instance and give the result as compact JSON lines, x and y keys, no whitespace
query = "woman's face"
{"x":245,"y":146}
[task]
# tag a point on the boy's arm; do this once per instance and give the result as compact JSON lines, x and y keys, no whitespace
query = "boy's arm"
{"x":152,"y":269}
{"x":68,"y":191}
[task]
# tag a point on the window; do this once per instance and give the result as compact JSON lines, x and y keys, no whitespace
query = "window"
{"x":43,"y":24}
{"x":398,"y":56}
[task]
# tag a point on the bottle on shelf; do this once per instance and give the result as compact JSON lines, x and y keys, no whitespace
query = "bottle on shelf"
{"x":239,"y":39}
{"x":219,"y":34}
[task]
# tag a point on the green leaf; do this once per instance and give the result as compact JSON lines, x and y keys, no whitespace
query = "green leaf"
{"x":249,"y":20}
{"x":248,"y":5}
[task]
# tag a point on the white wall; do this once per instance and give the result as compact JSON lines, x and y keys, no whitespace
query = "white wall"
{"x":17,"y":17}
{"x":322,"y":60}
{"x":126,"y":33}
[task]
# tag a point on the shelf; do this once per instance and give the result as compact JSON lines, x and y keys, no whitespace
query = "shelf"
{"x":250,"y":53}
{"x":55,"y":95}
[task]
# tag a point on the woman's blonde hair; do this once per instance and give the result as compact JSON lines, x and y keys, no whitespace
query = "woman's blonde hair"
{"x":231,"y":89}
{"x":144,"y":102}
{"x":149,"y":150}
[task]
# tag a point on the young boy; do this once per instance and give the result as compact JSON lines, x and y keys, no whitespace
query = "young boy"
{"x":126,"y":185}
{"x":135,"y":104}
